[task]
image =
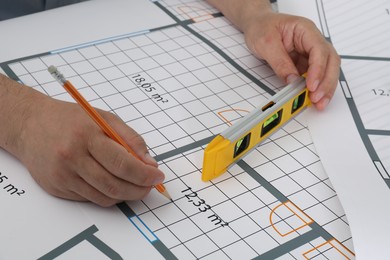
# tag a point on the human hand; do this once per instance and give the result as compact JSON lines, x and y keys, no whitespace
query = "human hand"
{"x":293,"y":45}
{"x":71,"y":157}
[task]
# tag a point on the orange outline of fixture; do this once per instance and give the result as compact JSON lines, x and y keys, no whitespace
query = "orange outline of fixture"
{"x":199,"y":18}
{"x":294,"y":213}
{"x":230,"y":110}
{"x":333,"y":246}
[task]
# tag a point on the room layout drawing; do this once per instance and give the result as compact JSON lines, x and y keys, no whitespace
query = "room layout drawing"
{"x":179,"y":86}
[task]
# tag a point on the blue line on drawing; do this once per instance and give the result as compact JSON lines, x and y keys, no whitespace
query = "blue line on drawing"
{"x":151,"y":232}
{"x":99,"y":41}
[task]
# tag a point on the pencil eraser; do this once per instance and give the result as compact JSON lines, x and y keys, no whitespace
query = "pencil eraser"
{"x":52,"y":69}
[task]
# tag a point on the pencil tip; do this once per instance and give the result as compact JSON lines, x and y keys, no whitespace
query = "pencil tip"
{"x":166,"y":194}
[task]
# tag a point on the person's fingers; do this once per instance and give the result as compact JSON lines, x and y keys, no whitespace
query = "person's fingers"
{"x":131,"y":137}
{"x":67,"y":184}
{"x":325,"y":91}
{"x":116,"y":160}
{"x":69,"y":195}
{"x":63,"y":192}
{"x":317,"y":65}
{"x":310,"y":42}
{"x":88,"y":193}
{"x":277,"y":57}
{"x":323,"y":62}
{"x":105,"y":188}
{"x":82,"y":191}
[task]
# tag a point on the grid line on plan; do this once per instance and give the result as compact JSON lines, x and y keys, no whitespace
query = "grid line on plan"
{"x":185,"y":10}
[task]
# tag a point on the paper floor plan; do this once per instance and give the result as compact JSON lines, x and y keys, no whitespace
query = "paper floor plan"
{"x":179,"y":86}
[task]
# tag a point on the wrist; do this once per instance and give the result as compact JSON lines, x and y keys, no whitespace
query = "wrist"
{"x":253,"y":10}
{"x":242,"y":11}
{"x":16,"y":106}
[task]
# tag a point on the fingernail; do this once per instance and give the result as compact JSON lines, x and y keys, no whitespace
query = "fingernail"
{"x":291,"y":78}
{"x":149,"y":159}
{"x":315,"y":85}
{"x":325,"y":102}
{"x":317,"y":96}
{"x":159,"y":180}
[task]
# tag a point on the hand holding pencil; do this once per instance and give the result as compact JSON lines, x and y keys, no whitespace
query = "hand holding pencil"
{"x":95,"y":116}
{"x":69,"y":155}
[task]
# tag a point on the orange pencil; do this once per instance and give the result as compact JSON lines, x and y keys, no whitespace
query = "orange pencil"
{"x":98,"y":118}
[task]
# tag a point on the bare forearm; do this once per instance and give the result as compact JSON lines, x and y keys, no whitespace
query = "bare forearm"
{"x":14,"y":99}
{"x":239,"y":12}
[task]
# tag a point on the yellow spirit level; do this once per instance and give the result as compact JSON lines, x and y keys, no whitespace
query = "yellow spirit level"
{"x":249,"y":131}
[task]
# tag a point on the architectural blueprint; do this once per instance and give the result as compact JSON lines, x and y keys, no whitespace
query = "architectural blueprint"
{"x":179,"y":85}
